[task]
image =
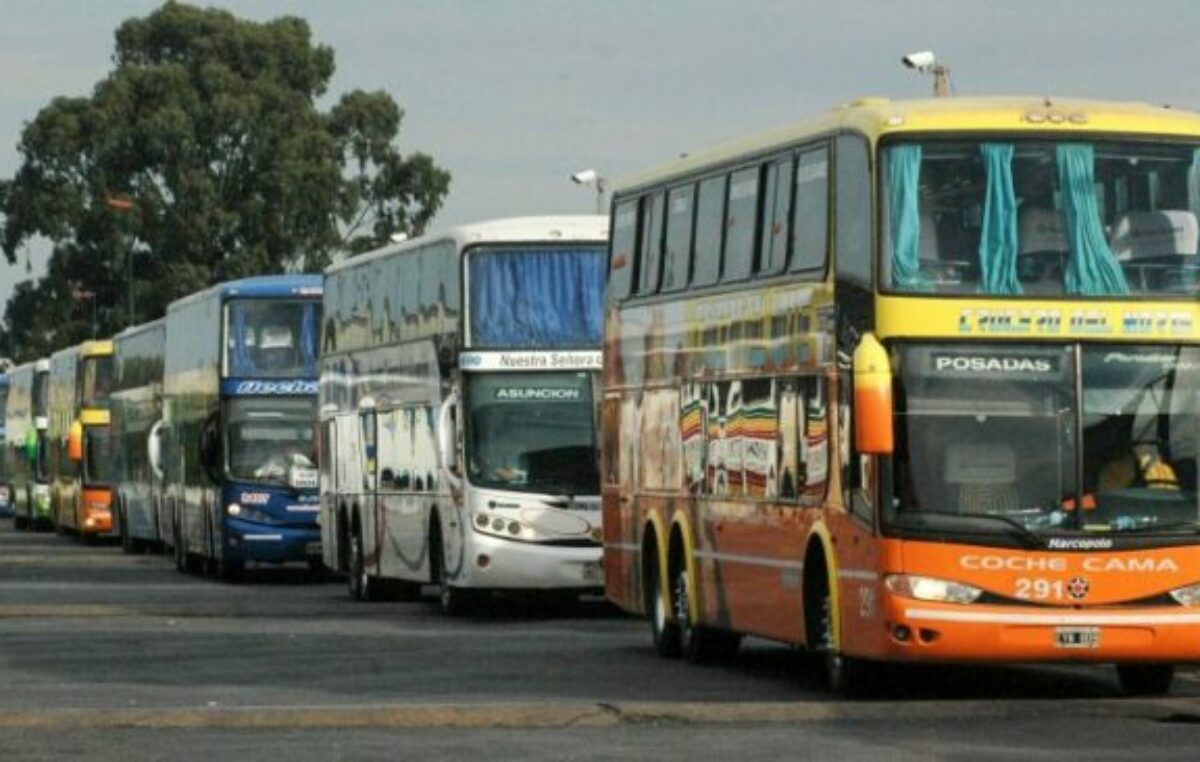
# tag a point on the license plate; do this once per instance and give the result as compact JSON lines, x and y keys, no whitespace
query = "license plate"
{"x":313,"y":548}
{"x":593,"y":574}
{"x":1077,"y":637}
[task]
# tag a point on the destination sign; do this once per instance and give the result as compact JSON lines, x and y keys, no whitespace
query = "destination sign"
{"x":234,"y":387}
{"x":585,"y":360}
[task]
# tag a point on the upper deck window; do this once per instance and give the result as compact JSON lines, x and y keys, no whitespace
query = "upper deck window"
{"x":624,"y":241}
{"x":741,"y":221}
{"x":271,"y":338}
{"x":1041,"y":218}
{"x":97,"y":380}
{"x":536,"y":297}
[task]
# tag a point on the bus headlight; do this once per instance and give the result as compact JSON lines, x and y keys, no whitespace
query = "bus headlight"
{"x":1189,"y":595}
{"x":931,"y":589}
{"x":233,"y":509}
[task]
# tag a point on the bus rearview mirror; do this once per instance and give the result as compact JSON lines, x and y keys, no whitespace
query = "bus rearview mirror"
{"x":873,"y":424}
{"x":154,"y":449}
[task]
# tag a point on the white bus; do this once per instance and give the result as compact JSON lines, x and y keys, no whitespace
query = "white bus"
{"x":458,"y":412}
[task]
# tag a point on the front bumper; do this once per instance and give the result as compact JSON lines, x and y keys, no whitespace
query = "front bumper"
{"x":989,"y":633}
{"x":496,"y":563}
{"x":250,"y":541}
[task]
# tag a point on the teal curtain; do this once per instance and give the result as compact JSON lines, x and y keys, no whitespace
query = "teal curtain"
{"x":1092,"y":270}
{"x":904,"y":216}
{"x":998,"y":238}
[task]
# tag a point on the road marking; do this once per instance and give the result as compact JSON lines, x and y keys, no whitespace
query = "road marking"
{"x":67,"y":611}
{"x":567,"y":714}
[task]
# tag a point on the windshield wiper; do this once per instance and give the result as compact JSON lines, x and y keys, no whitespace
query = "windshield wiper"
{"x":1014,"y":528}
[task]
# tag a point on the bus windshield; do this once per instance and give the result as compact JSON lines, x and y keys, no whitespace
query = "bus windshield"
{"x":995,"y":438}
{"x":270,"y":436}
{"x":528,"y":297}
{"x":1007,"y":217}
{"x":97,"y":380}
{"x":97,"y":455}
{"x":272,"y":338}
{"x":532,"y":432}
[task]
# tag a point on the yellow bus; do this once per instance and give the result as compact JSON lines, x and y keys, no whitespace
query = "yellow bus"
{"x":80,"y":450}
{"x":913,"y":382}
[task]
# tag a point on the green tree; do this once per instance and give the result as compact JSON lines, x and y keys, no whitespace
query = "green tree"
{"x":208,"y":125}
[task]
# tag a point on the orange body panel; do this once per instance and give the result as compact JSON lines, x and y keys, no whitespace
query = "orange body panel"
{"x":95,"y":510}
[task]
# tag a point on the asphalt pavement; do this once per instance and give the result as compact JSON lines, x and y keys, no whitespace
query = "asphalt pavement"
{"x":110,"y":656}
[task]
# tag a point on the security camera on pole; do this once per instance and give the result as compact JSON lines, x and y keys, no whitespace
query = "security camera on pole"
{"x":926,"y":63}
{"x":593,"y":178}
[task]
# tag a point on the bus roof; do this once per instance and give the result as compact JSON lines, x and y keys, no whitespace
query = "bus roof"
{"x":875,"y":117}
{"x":583,"y":227}
{"x":138,"y":329}
{"x":261,"y":286}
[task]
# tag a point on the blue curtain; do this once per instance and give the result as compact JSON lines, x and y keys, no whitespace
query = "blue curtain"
{"x":998,"y":238}
{"x":904,"y":216}
{"x":537,"y":299}
{"x":308,"y":338}
{"x":240,"y":358}
{"x":1092,"y":270}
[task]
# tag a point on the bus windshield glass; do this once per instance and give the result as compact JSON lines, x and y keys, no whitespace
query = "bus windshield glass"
{"x":1009,"y":217}
{"x":97,"y":455}
{"x":532,"y":432}
{"x":269,"y":438}
{"x":271,"y":338}
{"x":528,"y":297}
{"x":97,"y":380}
{"x":996,"y":439}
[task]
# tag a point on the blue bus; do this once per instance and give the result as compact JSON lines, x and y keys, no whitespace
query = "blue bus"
{"x":136,"y":405}
{"x":236,"y":446}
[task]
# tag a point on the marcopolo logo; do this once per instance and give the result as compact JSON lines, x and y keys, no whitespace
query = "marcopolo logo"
{"x":276,"y":387}
{"x":543,"y":394}
{"x":994,"y":364}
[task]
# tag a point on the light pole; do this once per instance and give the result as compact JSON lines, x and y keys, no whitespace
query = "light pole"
{"x":123,"y":205}
{"x":596,"y":180}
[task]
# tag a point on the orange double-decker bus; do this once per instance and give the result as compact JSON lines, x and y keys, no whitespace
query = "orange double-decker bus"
{"x":913,"y":382}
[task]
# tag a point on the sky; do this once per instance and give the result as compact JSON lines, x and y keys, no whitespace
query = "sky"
{"x":512,"y":96}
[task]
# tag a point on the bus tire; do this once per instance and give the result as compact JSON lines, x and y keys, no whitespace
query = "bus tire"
{"x":664,"y":630}
{"x":700,"y":644}
{"x":842,"y":675}
{"x":229,"y":571}
{"x":453,"y":601}
{"x":19,"y":522}
{"x":128,"y":544}
{"x":1146,"y":679}
{"x":180,"y":552}
{"x":362,"y":586}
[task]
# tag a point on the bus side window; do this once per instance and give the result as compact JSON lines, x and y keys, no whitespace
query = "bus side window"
{"x":810,"y":219}
{"x":624,"y":241}
{"x":853,"y":210}
{"x":677,"y":257}
{"x":777,"y":206}
{"x":710,"y":226}
{"x":650,"y":249}
{"x":741,"y":223}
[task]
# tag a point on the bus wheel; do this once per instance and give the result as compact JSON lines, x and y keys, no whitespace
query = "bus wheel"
{"x":1146,"y":679}
{"x":18,"y":522}
{"x":663,"y":627}
{"x":181,"y":564}
{"x":700,"y":644}
{"x":843,"y":675}
{"x":228,"y":570}
{"x":453,"y":601}
{"x":127,"y":542}
{"x":362,"y":586}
